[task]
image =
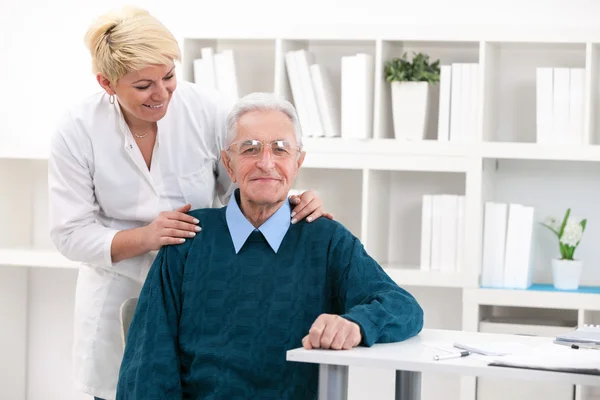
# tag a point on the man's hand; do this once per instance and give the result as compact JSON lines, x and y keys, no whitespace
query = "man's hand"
{"x":332,"y":332}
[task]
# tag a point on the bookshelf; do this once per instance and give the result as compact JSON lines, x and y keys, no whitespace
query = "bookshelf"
{"x":374,"y":186}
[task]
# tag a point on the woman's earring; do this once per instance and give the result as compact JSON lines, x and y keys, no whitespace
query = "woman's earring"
{"x":111,"y":99}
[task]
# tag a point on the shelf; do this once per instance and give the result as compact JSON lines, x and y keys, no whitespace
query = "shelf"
{"x":387,"y":146}
{"x":23,"y":152}
{"x":386,"y":154}
{"x":444,"y":152}
{"x":535,"y":151}
{"x":543,"y":287}
{"x":537,"y":296}
{"x":34,"y":258}
{"x":405,"y":276}
{"x":256,"y":55}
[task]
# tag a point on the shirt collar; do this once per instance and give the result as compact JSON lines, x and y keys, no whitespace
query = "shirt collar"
{"x":273,"y":229}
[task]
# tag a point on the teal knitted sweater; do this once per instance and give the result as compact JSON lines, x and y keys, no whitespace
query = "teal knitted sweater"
{"x":213,"y":324}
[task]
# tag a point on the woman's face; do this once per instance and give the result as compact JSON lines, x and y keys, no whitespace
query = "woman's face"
{"x":145,"y":94}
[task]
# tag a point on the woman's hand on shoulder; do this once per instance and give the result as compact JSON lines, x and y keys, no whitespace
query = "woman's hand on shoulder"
{"x":170,"y":227}
{"x":308,"y":205}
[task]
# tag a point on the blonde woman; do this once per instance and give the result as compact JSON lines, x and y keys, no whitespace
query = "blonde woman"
{"x":126,"y":166}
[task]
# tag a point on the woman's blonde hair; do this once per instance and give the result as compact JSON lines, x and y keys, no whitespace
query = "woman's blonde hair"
{"x":128,"y":40}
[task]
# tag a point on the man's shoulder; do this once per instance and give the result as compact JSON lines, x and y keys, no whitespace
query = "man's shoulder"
{"x":325,"y":227}
{"x":207,"y":215}
{"x":209,"y":218}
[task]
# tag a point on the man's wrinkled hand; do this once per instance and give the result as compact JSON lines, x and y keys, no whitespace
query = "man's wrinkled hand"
{"x":332,"y":332}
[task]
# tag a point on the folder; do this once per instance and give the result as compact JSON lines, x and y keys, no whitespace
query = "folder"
{"x":587,"y":334}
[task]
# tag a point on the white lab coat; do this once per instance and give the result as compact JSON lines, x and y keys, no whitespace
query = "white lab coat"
{"x":99,"y":184}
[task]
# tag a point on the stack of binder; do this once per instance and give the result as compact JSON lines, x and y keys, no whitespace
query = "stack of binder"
{"x":587,"y":336}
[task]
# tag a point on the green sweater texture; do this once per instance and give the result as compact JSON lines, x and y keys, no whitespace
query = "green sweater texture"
{"x":213,"y":324}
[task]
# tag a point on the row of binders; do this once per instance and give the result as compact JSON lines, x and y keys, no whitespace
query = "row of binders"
{"x":507,"y":236}
{"x":559,"y":105}
{"x":442,"y":232}
{"x":217,"y":71}
{"x":324,"y":113}
{"x":458,"y":106}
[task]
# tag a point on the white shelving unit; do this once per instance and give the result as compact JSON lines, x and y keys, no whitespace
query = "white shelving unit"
{"x":374,"y":186}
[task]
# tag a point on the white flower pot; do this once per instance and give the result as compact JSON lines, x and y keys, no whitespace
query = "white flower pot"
{"x":566,"y":274}
{"x":410,"y":104}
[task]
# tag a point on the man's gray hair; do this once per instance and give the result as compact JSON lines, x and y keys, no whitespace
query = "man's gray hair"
{"x":261,"y":101}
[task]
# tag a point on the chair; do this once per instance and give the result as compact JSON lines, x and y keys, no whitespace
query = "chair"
{"x":127,"y":310}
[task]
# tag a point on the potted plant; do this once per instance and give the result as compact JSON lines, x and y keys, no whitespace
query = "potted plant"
{"x":411,"y":82}
{"x":566,"y":271}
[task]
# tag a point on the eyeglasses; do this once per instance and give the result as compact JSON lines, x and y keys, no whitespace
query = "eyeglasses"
{"x":253,"y":148}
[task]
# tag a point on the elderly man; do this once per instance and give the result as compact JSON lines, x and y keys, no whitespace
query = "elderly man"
{"x":217,"y":313}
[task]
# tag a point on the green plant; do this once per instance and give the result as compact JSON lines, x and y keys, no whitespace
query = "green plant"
{"x":419,"y":70}
{"x":569,"y":233}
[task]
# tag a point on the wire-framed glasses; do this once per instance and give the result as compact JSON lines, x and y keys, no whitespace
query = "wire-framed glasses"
{"x":254,"y":148}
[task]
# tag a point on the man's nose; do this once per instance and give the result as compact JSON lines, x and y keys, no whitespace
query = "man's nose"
{"x":266,"y":159}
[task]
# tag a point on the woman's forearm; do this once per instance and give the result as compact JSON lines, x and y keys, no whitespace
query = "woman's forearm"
{"x":128,"y":244}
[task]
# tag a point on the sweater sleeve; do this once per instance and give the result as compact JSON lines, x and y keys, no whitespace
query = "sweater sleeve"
{"x":150,"y":368}
{"x":367,"y":296}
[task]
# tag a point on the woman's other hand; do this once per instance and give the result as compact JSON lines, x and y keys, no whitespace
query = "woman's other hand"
{"x":308,"y":205}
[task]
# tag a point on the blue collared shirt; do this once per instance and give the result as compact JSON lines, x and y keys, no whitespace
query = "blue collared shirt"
{"x":273,"y":229}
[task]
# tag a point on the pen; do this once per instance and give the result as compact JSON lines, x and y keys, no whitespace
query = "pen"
{"x":450,"y":356}
{"x":579,"y":346}
{"x":584,"y":346}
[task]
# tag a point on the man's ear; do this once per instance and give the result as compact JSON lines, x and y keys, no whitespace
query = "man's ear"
{"x":226,"y":160}
{"x":300,"y":161}
{"x":105,"y":83}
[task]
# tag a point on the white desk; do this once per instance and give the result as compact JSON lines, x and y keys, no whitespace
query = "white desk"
{"x":414,"y":356}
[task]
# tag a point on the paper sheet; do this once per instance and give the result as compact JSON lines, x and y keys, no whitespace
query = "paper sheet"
{"x":489,"y":348}
{"x":554,"y":357}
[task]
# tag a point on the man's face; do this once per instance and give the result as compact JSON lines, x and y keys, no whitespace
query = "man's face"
{"x":263,"y":159}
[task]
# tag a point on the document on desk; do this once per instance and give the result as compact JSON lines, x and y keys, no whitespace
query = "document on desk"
{"x":489,"y":348}
{"x":551,"y":357}
{"x":484,"y":349}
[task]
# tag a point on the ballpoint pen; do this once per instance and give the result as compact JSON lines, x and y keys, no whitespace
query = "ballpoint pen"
{"x":578,"y":345}
{"x":450,"y":356}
